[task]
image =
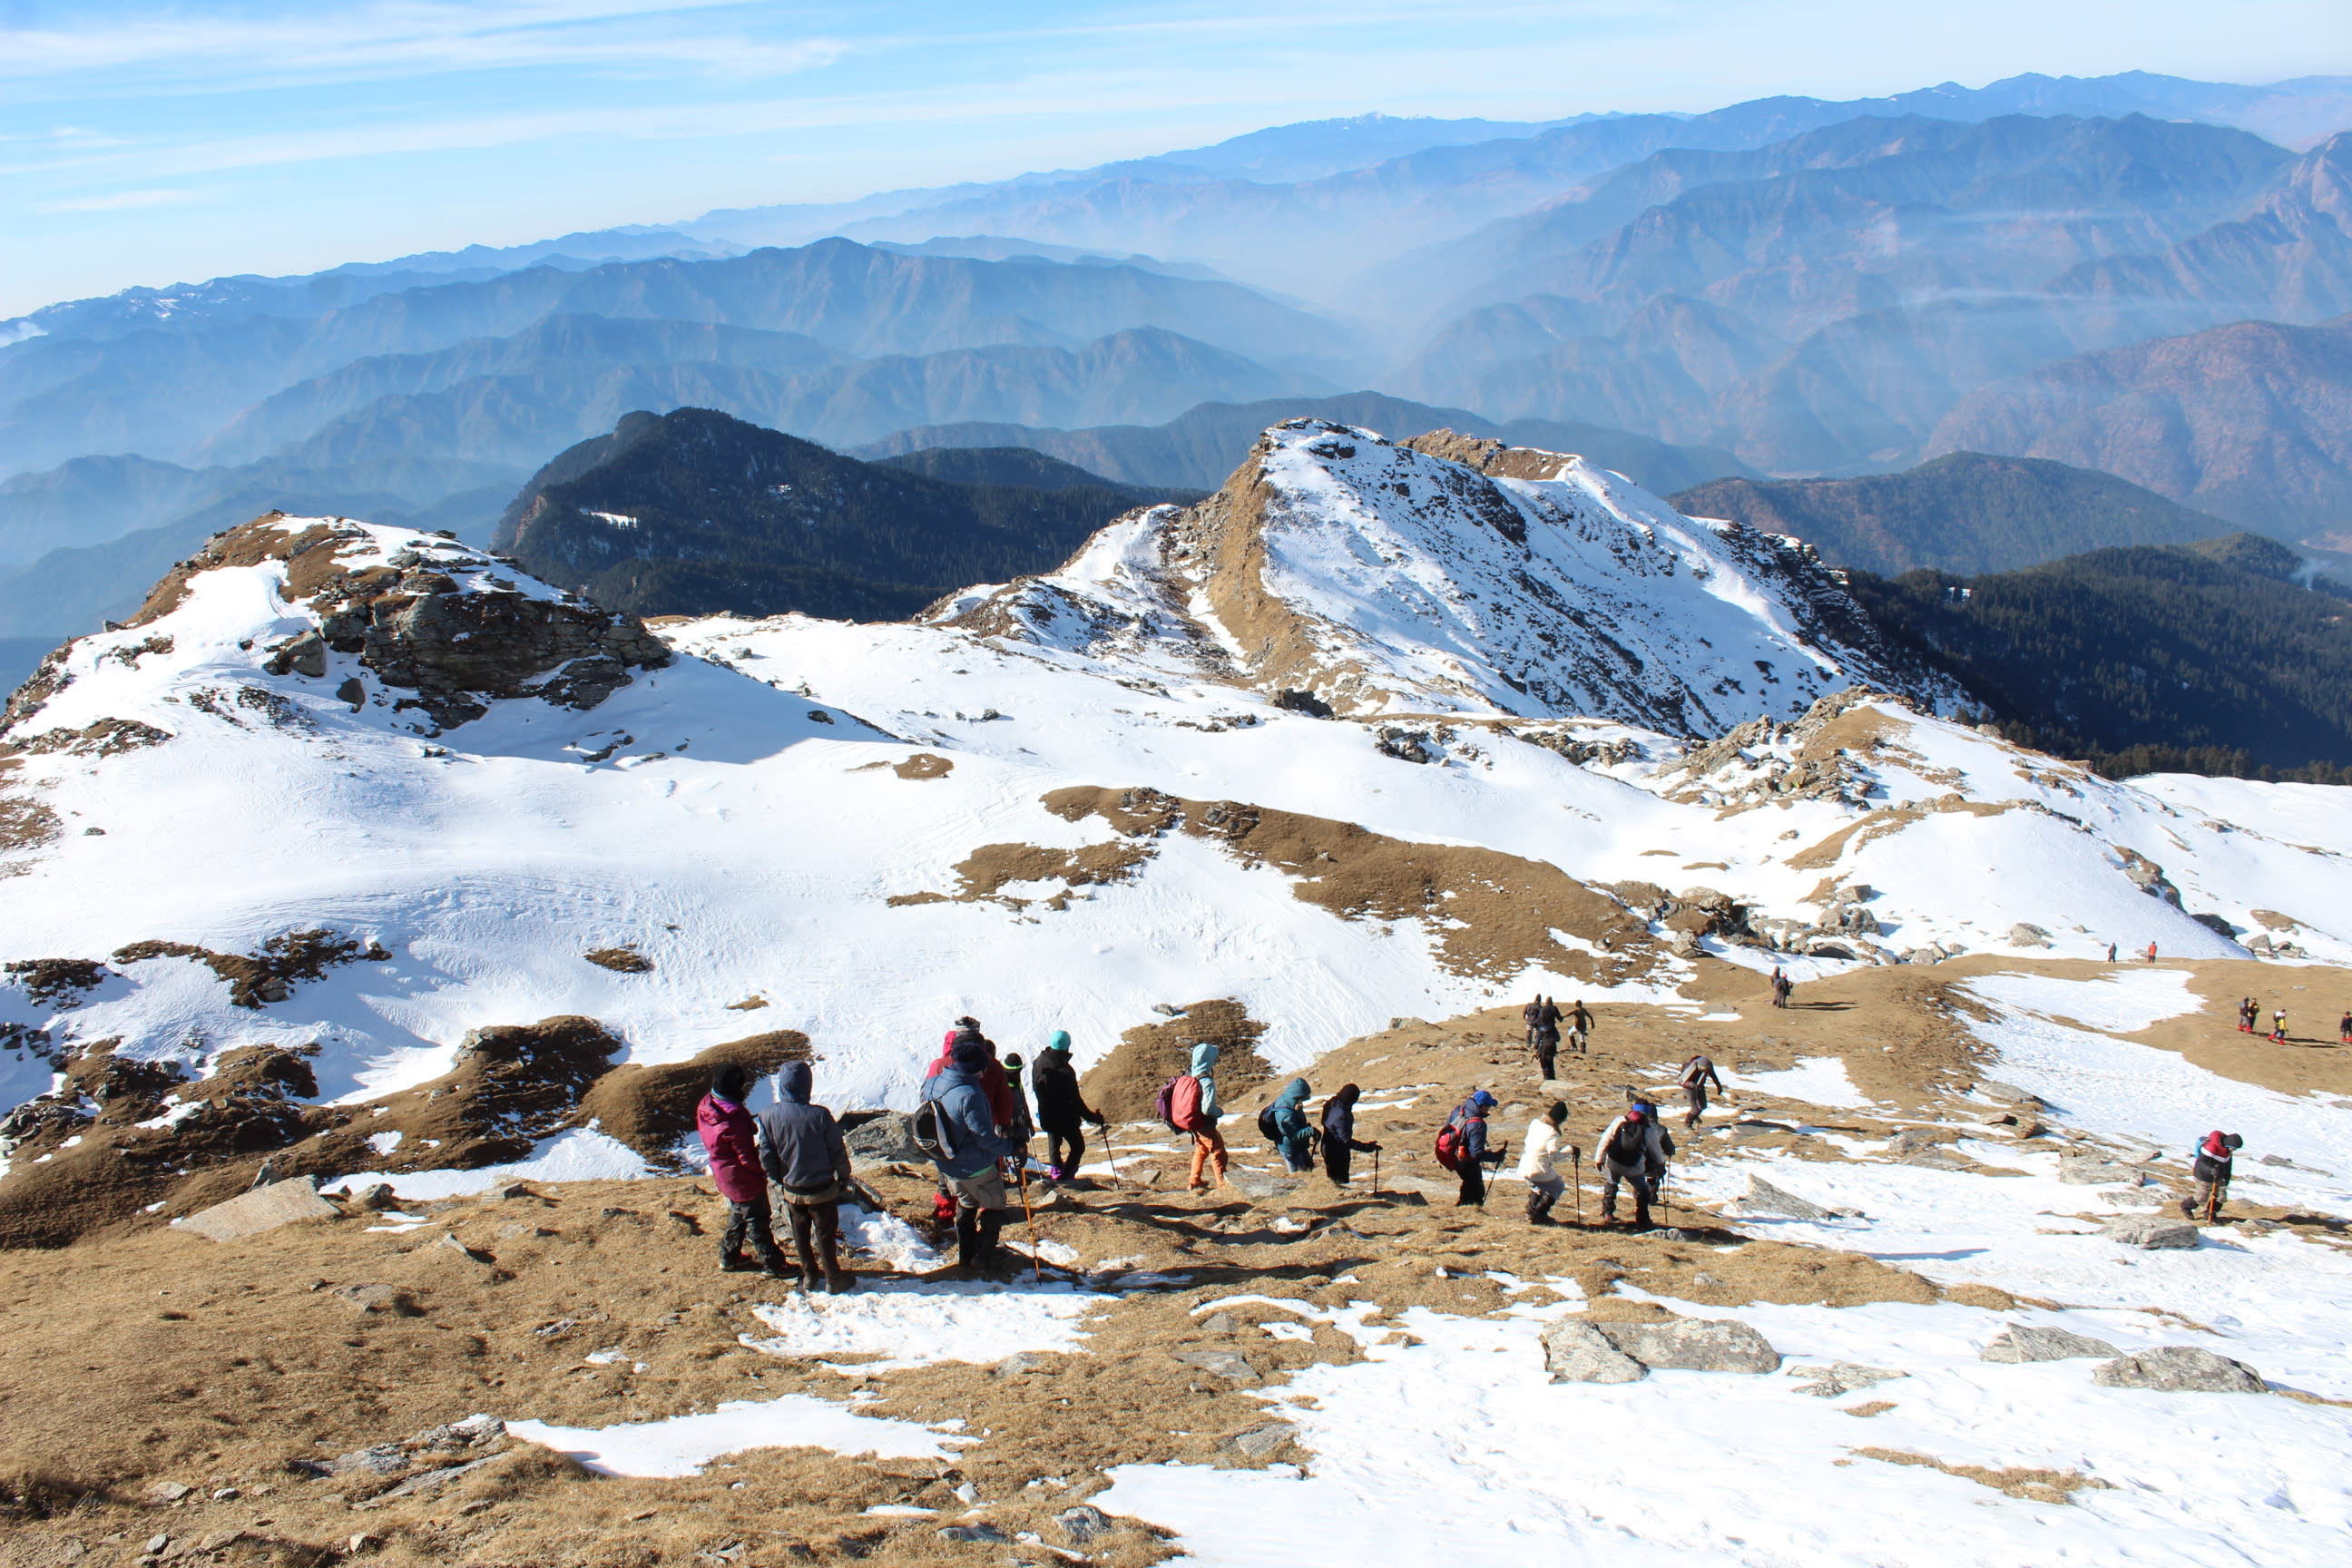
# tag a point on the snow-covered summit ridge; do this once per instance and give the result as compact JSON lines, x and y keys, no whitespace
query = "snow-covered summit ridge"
{"x":1448,"y":574}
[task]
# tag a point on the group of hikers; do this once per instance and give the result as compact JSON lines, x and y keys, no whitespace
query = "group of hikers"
{"x":2250,"y":1022}
{"x":1543,"y":1020}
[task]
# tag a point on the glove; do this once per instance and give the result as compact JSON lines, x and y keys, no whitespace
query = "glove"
{"x":1371,"y":1148}
{"x":1102,"y":1123}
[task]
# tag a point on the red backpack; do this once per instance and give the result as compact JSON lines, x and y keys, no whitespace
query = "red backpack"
{"x":1178,"y":1104}
{"x":1449,"y":1146}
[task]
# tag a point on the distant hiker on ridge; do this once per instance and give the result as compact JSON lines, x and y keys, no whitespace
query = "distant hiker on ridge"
{"x":1062,"y":1111}
{"x":802,"y":1150}
{"x":1294,"y":1135}
{"x":2212,"y":1170}
{"x":2344,"y":1028}
{"x":957,"y":1127}
{"x":2111,"y":952}
{"x":2248,"y":1015}
{"x":1697,"y":1074}
{"x":1465,"y":1138}
{"x":1634,"y":1150}
{"x":2278,"y":1025}
{"x":1543,"y":1036}
{"x":732,"y":1142}
{"x":1340,"y":1134}
{"x":2151,"y":953}
{"x":1545,"y":1184}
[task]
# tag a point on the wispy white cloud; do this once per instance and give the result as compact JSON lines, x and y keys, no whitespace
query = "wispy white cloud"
{"x":390,"y":39}
{"x":119,"y":201}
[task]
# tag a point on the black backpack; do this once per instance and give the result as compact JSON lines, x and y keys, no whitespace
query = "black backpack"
{"x":1630,"y":1144}
{"x":1265,"y":1127}
{"x":931,"y":1130}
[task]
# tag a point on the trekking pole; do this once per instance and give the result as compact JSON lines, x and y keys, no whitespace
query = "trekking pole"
{"x":1576,"y":1174}
{"x":1376,"y":1172}
{"x":1029,"y":1217}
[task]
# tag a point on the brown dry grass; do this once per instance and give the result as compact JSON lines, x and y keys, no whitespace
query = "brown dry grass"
{"x":2032,"y":1485}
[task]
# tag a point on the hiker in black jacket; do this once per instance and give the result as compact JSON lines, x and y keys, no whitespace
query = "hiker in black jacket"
{"x":1543,"y":1035}
{"x":1062,"y":1111}
{"x":801,"y":1151}
{"x":1472,"y":1155}
{"x":1340,"y":1134}
{"x":1697,"y":1074}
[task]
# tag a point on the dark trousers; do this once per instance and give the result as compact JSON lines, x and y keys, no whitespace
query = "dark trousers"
{"x":1071,"y":1138}
{"x":1474,"y":1186}
{"x":1643,"y":1182}
{"x":750,"y":1219}
{"x":1335,"y":1159}
{"x":1697,"y":1095}
{"x":1547,"y":1047}
{"x":815,"y":1223}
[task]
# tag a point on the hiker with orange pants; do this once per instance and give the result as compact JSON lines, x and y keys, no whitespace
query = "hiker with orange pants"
{"x":1195,"y":1111}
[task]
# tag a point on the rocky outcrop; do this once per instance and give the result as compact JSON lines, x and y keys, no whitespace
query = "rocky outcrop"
{"x":2025,"y":1343}
{"x":2181,"y":1369}
{"x":447,"y":647}
{"x":2152,"y":1233}
{"x":1578,"y":1350}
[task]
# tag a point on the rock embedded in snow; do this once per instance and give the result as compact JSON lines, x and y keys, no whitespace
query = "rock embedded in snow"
{"x":2152,"y":1232}
{"x":2025,"y":1343}
{"x":1842,"y":1378}
{"x":1083,"y":1523}
{"x":2087,"y":1170}
{"x":2181,"y":1369}
{"x":1694,"y":1344}
{"x":2009,"y":1094}
{"x":1763,"y":1197}
{"x":1575,"y":1351}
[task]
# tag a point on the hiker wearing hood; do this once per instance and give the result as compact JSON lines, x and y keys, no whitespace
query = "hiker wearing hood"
{"x":802,"y":1150}
{"x":1340,"y":1134}
{"x":1062,"y":1111}
{"x":1208,"y":1143}
{"x":732,"y":1143}
{"x":993,"y":1081}
{"x":1294,"y":1135}
{"x":1633,"y":1149}
{"x":968,"y":1161}
{"x":1537,"y":1168}
{"x":2212,"y":1170}
{"x":1472,"y":1155}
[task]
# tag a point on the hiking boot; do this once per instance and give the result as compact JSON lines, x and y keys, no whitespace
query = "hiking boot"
{"x":840,"y":1283}
{"x":1057,"y":1173}
{"x":735,"y":1263}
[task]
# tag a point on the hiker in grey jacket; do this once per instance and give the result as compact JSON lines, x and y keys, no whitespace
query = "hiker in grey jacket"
{"x":1634,"y":1150}
{"x":801,"y":1151}
{"x":969,"y":1162}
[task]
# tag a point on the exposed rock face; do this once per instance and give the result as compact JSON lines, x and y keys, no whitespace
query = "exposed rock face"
{"x":2081,"y":1169}
{"x":2181,"y":1369}
{"x":452,"y":645}
{"x":1695,"y":1344}
{"x":1763,"y":1197}
{"x":1575,"y":1351}
{"x":263,"y":1208}
{"x":2150,"y":1232}
{"x":2024,"y":1342}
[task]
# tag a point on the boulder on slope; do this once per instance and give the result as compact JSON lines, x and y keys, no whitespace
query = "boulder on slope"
{"x":263,"y":1208}
{"x":2025,"y":1343}
{"x":2152,"y":1231}
{"x":1694,"y":1344}
{"x":1575,"y":1351}
{"x":2180,"y":1369}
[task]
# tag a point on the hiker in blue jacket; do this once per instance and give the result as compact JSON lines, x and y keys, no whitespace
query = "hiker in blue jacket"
{"x":970,"y":1152}
{"x":1469,"y":1120}
{"x":802,"y":1150}
{"x":1292,"y":1133}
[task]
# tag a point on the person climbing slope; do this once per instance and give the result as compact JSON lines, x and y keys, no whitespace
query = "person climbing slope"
{"x":2211,"y":1168}
{"x":1208,"y":1141}
{"x":2247,"y":1015}
{"x":2344,"y":1028}
{"x":1537,"y":1167}
{"x":2278,"y":1025}
{"x":1697,"y":1074}
{"x":1062,"y":1111}
{"x":732,"y":1142}
{"x":1579,"y":1028}
{"x":1471,"y":1153}
{"x":802,"y":1150}
{"x":1294,"y":1135}
{"x":968,"y":1152}
{"x":1543,"y":1039}
{"x":1633,"y":1150}
{"x":1339,"y":1140}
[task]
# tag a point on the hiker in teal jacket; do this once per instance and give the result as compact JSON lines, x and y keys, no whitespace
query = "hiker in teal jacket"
{"x":1209,"y":1155}
{"x":1292,"y":1134}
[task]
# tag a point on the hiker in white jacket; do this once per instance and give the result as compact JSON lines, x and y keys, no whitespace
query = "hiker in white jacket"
{"x":1536,"y":1168}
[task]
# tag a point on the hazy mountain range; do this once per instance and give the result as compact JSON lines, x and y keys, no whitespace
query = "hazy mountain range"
{"x":2055,"y":268}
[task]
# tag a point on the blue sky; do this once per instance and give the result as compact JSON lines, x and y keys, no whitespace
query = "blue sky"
{"x":151,"y":143}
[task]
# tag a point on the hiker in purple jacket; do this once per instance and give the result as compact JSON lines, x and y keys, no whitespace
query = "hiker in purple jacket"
{"x":732,"y":1141}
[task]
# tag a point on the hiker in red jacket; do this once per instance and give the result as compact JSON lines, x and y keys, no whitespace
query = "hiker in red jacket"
{"x":993,"y":1081}
{"x":732,"y":1141}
